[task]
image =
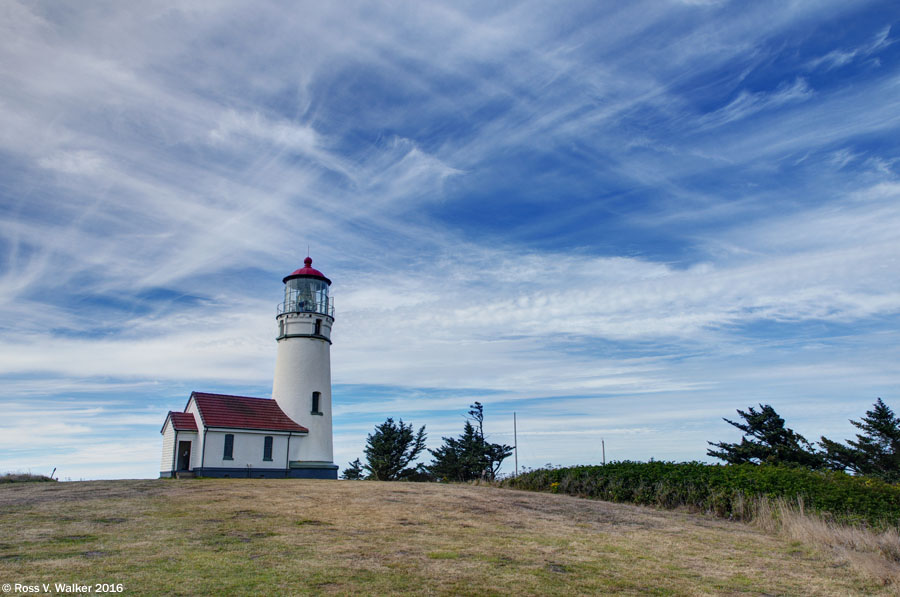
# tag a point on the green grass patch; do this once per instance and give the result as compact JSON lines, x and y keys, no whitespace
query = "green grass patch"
{"x":443,"y":555}
{"x":310,"y":522}
{"x":66,"y":539}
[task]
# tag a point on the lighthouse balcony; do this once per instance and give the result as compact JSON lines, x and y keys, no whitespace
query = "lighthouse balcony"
{"x":325,"y":307}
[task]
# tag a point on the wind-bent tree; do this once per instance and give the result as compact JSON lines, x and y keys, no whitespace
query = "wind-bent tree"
{"x":354,"y":471}
{"x":461,"y":459}
{"x":470,"y":456}
{"x":766,"y":441}
{"x":495,"y":454}
{"x":390,"y":450}
{"x":875,"y":452}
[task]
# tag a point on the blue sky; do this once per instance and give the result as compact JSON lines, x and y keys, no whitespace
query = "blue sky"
{"x":619,"y":220}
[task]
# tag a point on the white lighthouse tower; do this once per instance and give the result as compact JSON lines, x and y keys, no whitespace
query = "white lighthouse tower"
{"x":302,"y":386}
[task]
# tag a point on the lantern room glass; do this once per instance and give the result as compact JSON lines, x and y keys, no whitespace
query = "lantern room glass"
{"x":306,"y":295}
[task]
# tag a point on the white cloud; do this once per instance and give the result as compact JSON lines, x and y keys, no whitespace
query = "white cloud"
{"x":838,"y":58}
{"x":75,"y":162}
{"x":286,"y":134}
{"x":42,"y":434}
{"x":498,"y":319}
{"x":748,"y":103}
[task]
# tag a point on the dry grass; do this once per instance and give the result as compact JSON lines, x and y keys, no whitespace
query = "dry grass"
{"x":267,"y":536}
{"x":874,"y":553}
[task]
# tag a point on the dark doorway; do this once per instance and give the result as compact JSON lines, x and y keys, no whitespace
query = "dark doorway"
{"x":184,"y":456}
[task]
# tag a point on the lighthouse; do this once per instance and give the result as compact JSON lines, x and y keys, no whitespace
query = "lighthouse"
{"x":288,"y":435}
{"x":302,"y":386}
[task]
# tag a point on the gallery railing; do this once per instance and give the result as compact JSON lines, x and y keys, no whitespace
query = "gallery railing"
{"x":325,"y":307}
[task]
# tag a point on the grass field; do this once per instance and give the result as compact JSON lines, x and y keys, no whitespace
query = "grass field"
{"x":289,"y":537}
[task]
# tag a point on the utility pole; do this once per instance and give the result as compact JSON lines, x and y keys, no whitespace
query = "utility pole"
{"x":603,"y":446}
{"x":516,"y":443}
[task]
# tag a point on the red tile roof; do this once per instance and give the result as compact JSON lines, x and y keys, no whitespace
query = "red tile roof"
{"x":243,"y":412}
{"x":183,"y":421}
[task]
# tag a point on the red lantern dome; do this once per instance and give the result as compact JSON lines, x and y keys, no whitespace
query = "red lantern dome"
{"x":307,"y":271}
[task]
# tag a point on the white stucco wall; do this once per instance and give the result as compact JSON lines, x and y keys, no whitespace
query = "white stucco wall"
{"x":303,"y":366}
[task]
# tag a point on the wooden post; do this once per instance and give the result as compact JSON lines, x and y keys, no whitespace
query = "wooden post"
{"x":515,"y":443}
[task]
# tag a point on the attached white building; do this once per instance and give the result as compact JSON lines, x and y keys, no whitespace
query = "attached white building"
{"x":288,"y":435}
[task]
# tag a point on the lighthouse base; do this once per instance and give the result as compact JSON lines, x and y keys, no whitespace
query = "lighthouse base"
{"x":297,"y":470}
{"x":309,"y":469}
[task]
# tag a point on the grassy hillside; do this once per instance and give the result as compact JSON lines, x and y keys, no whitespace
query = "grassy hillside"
{"x":267,"y":536}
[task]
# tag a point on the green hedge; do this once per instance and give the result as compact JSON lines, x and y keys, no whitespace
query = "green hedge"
{"x":725,"y":490}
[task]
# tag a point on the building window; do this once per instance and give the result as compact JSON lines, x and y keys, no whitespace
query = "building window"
{"x":281,"y":328}
{"x":229,"y":447}
{"x":267,"y":448}
{"x":315,"y":403}
{"x":318,"y":327}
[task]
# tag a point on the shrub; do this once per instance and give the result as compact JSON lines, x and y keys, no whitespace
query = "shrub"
{"x":724,"y":490}
{"x":22,"y":478}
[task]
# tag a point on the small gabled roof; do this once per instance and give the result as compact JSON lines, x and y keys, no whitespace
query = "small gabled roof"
{"x":180,"y":421}
{"x":243,"y":412}
{"x":183,"y":421}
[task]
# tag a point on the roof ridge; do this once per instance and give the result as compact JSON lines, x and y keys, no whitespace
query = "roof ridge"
{"x":230,"y":395}
{"x":242,"y":412}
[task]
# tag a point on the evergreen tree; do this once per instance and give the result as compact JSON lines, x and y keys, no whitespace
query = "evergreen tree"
{"x":766,"y":441}
{"x":476,"y":413}
{"x":470,"y":456}
{"x":354,"y":471}
{"x":494,"y":454}
{"x":462,"y":459}
{"x":390,"y":450}
{"x":876,"y":451}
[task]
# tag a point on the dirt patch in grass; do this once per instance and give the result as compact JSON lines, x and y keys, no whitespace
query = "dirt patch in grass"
{"x":310,"y":521}
{"x":273,"y":536}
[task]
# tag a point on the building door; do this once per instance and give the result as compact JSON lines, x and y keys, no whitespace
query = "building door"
{"x":184,"y":456}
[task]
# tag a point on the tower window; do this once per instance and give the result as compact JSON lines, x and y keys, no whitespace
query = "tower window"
{"x":315,"y":403}
{"x":280,"y":328}
{"x":229,"y":447}
{"x":318,"y":327}
{"x":267,"y":448}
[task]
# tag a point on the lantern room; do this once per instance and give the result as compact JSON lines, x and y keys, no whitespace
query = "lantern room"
{"x":306,"y":291}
